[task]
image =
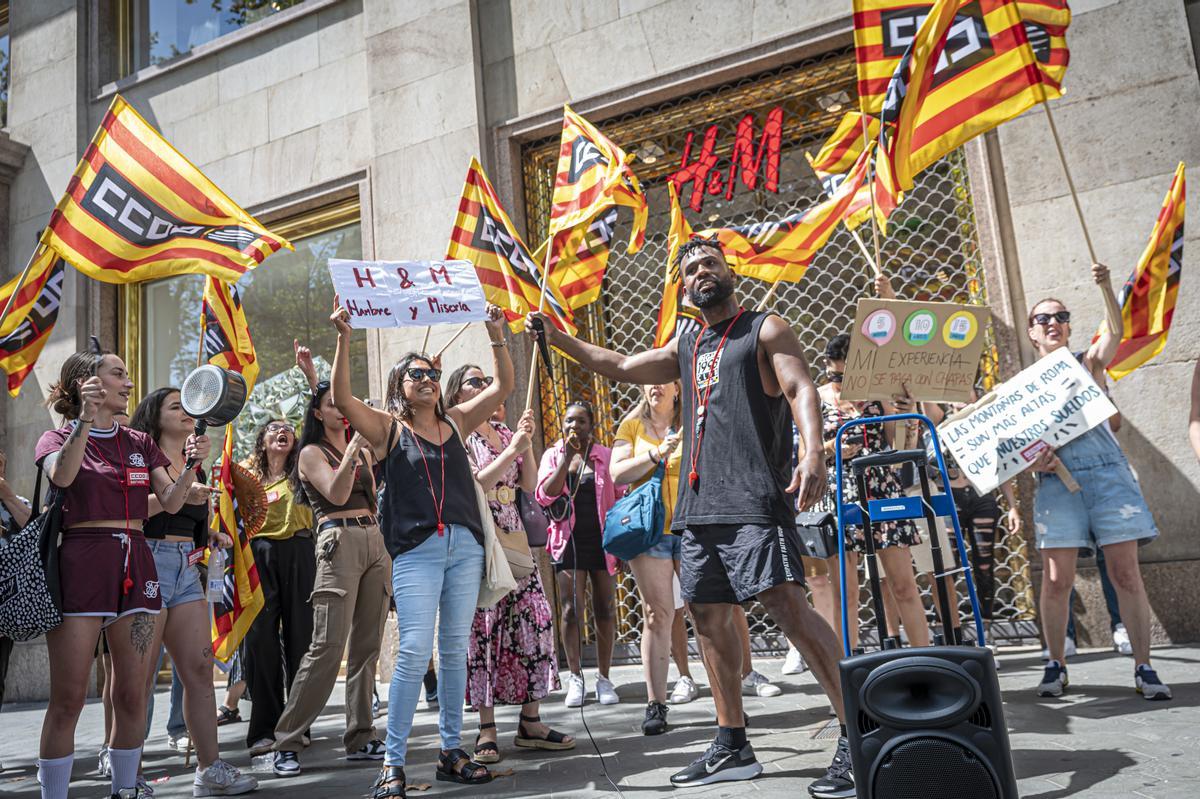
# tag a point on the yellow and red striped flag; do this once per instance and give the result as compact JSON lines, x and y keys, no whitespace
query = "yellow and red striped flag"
{"x":484,"y":235}
{"x":579,"y":259}
{"x":594,"y":174}
{"x":783,"y":249}
{"x":935,"y":112}
{"x":1148,"y":297}
{"x":31,"y":318}
{"x":243,"y":595}
{"x":224,"y":335}
{"x":840,"y":152}
{"x":137,"y":210}
{"x":883,"y":29}
{"x":674,"y":317}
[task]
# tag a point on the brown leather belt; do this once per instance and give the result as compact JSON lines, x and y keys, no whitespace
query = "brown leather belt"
{"x":351,"y":521}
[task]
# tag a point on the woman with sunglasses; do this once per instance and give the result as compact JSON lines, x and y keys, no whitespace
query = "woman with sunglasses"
{"x":892,"y":539}
{"x":1108,"y":511}
{"x":183,"y":624}
{"x":510,"y":657}
{"x":107,"y":474}
{"x":334,"y":475}
{"x":575,"y":486}
{"x":287,"y":565}
{"x":434,"y":534}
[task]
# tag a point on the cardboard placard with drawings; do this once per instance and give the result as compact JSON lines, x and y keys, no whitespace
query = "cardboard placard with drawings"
{"x":930,"y":348}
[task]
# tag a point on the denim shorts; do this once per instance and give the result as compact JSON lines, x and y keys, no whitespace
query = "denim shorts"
{"x":667,"y":547}
{"x":1108,"y":508}
{"x":178,"y":582}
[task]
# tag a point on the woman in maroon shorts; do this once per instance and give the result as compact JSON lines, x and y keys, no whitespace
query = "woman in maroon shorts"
{"x":106,"y":472}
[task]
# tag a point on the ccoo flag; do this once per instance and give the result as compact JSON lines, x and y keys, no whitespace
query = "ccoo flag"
{"x":32,"y":317}
{"x":593,"y":174}
{"x":783,"y":249}
{"x":883,"y":30}
{"x":578,"y":260}
{"x":484,"y":235}
{"x":224,"y":335}
{"x":243,"y":595}
{"x":1148,"y":297}
{"x":136,"y":210}
{"x":935,"y":110}
{"x":673,"y":316}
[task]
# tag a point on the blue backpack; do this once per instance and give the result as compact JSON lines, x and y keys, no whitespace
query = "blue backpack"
{"x":635,"y":523}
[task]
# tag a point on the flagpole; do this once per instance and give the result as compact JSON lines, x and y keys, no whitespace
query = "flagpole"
{"x":453,"y":339}
{"x":766,"y":300}
{"x":12,"y":298}
{"x":1062,"y":156}
{"x":533,"y":359}
{"x":877,"y":264}
{"x":425,"y":341}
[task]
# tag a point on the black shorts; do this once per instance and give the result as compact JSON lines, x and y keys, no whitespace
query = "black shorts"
{"x":731,"y":563}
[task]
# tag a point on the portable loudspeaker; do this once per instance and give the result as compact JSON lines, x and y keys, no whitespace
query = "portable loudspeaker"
{"x":927,"y":723}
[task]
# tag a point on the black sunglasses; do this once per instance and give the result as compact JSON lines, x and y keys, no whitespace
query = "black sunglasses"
{"x":1062,"y":317}
{"x":417,"y":374}
{"x":833,"y":377}
{"x":478,"y":382}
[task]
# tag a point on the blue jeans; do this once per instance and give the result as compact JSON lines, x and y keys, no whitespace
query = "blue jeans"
{"x":441,"y":574}
{"x":175,"y":724}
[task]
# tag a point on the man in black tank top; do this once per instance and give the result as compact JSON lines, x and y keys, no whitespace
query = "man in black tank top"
{"x":744,"y":379}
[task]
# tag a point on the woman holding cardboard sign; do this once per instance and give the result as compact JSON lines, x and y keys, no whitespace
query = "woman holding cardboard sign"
{"x":892,"y":539}
{"x":1107,"y":511}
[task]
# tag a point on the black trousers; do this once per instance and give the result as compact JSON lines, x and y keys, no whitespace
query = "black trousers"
{"x":6,"y":648}
{"x":282,"y":631}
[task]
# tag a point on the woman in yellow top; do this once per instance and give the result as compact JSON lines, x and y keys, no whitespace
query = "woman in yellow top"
{"x":646,"y":436}
{"x":287,"y":566}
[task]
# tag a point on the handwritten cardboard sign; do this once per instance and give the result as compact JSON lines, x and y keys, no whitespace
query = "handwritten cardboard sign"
{"x":932,"y":348}
{"x":1049,"y":404}
{"x":408,"y":293}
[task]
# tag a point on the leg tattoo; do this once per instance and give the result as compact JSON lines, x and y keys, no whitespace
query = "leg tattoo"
{"x":141,"y":632}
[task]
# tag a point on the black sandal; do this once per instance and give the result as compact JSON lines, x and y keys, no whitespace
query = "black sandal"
{"x":227,"y":716}
{"x":488,"y":752}
{"x":554,"y":740}
{"x":456,"y":766}
{"x":390,"y":784}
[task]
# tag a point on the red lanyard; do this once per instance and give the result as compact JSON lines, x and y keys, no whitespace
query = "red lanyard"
{"x":438,"y":502}
{"x":123,"y":481}
{"x":702,"y":408}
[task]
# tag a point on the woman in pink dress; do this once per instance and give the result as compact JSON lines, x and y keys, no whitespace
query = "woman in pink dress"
{"x":510,"y":654}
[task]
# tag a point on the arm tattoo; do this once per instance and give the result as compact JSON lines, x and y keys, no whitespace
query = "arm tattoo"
{"x":141,"y":632}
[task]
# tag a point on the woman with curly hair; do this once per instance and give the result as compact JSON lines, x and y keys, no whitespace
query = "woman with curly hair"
{"x":287,"y":565}
{"x":510,"y":655}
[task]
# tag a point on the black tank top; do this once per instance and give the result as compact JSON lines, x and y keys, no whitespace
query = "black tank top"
{"x":747,"y":440}
{"x":362,"y":490}
{"x":409,"y":514}
{"x":191,"y":521}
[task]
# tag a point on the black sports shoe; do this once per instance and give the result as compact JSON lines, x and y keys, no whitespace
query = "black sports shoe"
{"x":719,"y":764}
{"x":656,"y":719}
{"x":838,"y":782}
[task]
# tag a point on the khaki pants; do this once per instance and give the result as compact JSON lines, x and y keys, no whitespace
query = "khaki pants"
{"x":350,"y":603}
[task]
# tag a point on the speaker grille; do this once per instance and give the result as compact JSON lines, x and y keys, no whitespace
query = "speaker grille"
{"x":982,"y":717}
{"x":933,"y":768}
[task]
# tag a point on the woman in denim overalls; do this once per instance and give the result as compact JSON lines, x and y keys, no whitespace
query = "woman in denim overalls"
{"x":1108,"y":511}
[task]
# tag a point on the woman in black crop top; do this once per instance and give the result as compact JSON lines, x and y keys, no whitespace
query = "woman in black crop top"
{"x":350,"y":592}
{"x":433,"y":530}
{"x":177,"y":541}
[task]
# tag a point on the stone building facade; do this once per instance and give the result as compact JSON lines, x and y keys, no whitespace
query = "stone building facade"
{"x":348,"y":125}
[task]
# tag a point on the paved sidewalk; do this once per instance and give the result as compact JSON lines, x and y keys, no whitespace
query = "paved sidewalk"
{"x":1101,"y":740}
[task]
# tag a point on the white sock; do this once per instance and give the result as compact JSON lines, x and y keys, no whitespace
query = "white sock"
{"x":124,"y":763}
{"x":54,"y":775}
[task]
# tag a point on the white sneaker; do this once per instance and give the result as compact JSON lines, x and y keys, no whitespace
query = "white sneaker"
{"x":1148,"y":684}
{"x":575,"y":691}
{"x":222,"y":779}
{"x":1121,"y":640}
{"x":103,"y":768}
{"x":794,"y":662}
{"x":606,"y":692}
{"x":685,"y":691}
{"x":758,"y":684}
{"x":1069,"y":650}
{"x":179,"y":744}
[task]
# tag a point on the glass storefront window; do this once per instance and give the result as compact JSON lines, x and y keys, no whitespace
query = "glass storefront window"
{"x":288,"y":298}
{"x":4,"y":64}
{"x":165,"y":29}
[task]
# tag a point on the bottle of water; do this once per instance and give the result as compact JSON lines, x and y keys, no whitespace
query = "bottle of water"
{"x":216,"y":575}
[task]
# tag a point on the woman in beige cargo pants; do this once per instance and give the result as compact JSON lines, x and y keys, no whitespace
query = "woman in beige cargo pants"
{"x":351,"y":591}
